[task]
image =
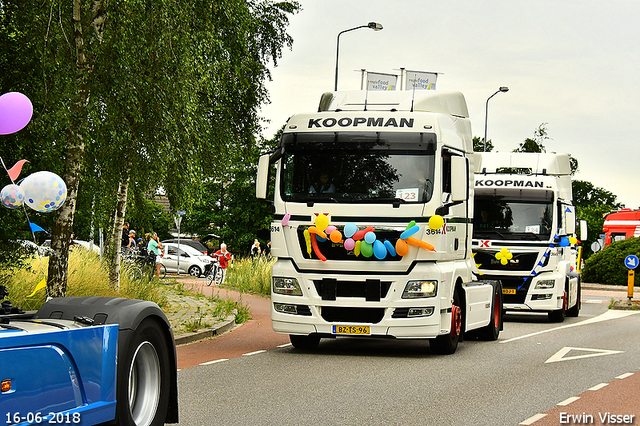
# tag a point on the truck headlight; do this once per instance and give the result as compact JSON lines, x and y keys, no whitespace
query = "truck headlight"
{"x":542,"y":284}
{"x":288,"y":286}
{"x":418,"y":289}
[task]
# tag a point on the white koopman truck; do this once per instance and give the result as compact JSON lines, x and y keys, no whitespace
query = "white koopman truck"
{"x":524,"y":231}
{"x":372,"y":230}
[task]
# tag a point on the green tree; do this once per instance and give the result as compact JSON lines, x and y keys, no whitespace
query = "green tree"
{"x":478,"y":144}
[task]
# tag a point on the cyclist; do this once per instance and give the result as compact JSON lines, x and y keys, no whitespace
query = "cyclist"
{"x":223,"y":257}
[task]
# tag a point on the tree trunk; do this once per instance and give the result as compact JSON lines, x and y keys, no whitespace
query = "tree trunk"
{"x":74,"y":154}
{"x":116,"y":234}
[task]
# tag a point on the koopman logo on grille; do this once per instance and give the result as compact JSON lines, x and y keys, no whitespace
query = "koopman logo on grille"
{"x":360,"y":121}
{"x":510,"y":182}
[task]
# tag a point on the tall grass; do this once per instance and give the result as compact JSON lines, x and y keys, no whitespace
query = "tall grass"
{"x":87,"y":276}
{"x":251,"y":275}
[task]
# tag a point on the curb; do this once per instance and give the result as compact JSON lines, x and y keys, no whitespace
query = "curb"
{"x":216,"y":330}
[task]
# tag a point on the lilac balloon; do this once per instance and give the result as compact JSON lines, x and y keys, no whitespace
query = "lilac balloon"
{"x":349,"y":244}
{"x":15,"y":112}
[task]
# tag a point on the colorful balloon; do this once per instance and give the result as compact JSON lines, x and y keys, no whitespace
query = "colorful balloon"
{"x":436,"y":221}
{"x":350,"y":229}
{"x":366,"y":249}
{"x":370,"y":237}
{"x":330,"y":229}
{"x":420,"y":243}
{"x":379,"y":250}
{"x":349,"y":244}
{"x":322,"y":221}
{"x":15,"y":112}
{"x":390,"y":248}
{"x":401,"y":247}
{"x":564,"y":242}
{"x":356,"y":249}
{"x":44,"y":191}
{"x":285,"y":219}
{"x":409,"y":232}
{"x":12,"y":196}
{"x":336,"y":236}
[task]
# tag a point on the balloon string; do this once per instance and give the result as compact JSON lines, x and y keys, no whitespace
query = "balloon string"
{"x":33,"y":234}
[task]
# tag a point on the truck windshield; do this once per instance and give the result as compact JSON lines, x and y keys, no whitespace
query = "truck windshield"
{"x":363,"y":167}
{"x":499,"y":218}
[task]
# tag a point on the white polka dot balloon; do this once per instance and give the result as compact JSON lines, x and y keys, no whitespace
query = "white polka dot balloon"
{"x":12,"y":196}
{"x":44,"y":191}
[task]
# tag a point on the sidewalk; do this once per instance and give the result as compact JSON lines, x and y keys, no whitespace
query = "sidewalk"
{"x":194,"y":305}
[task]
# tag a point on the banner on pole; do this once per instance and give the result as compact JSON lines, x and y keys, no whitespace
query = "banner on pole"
{"x":420,"y":80}
{"x":381,"y":81}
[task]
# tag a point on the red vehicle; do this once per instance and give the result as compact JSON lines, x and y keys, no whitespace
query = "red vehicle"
{"x":620,"y":225}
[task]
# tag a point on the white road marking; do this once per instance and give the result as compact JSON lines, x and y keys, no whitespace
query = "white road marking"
{"x":214,"y":361}
{"x":598,"y":387}
{"x":624,"y":376}
{"x":569,"y":401}
{"x":609,"y":315}
{"x":532,"y":420}
{"x":254,"y":353}
{"x":560,"y":355}
{"x":285,"y":345}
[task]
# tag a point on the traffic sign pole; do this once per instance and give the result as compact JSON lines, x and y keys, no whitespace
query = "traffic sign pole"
{"x":630,"y":284}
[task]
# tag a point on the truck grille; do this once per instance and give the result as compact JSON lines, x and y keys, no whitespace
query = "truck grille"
{"x":352,"y":315}
{"x":370,"y":290}
{"x":486,"y":259}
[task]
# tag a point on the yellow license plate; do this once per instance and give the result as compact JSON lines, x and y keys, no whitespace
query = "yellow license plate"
{"x":508,"y":291}
{"x":351,"y":329}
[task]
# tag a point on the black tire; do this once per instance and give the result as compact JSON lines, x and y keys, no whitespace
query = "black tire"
{"x":559,"y":314}
{"x":163,"y":271}
{"x":447,"y":344}
{"x":218,"y":277}
{"x":143,"y":386}
{"x":308,"y":342}
{"x":492,"y":330}
{"x":574,"y":311}
{"x":194,"y":271}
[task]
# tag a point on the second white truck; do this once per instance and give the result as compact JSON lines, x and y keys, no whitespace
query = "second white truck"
{"x":524,"y":231}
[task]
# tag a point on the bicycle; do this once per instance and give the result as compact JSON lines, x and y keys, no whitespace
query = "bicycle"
{"x":214,"y":273}
{"x":140,"y":266}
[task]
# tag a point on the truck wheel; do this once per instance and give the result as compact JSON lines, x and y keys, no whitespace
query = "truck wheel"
{"x":558,"y":315}
{"x":448,"y":343}
{"x":308,"y":342}
{"x":575,"y":310}
{"x":143,"y":377}
{"x":492,"y":330}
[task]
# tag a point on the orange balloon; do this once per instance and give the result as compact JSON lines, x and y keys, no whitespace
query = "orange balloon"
{"x":401,"y":247}
{"x":336,"y":236}
{"x":420,"y":243}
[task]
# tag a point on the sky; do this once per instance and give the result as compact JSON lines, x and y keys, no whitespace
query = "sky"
{"x":573,"y":64}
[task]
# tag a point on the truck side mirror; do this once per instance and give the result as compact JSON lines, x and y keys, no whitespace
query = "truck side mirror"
{"x":459,"y":178}
{"x":262,"y":179}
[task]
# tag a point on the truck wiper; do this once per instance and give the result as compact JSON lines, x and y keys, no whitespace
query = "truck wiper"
{"x":317,"y":199}
{"x":390,"y":199}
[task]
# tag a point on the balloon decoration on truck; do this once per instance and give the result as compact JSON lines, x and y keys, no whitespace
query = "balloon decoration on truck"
{"x":365,"y":241}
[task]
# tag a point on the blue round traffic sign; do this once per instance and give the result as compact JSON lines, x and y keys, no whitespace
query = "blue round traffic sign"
{"x":631,"y":261}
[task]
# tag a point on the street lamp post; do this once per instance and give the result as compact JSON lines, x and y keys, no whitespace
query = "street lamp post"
{"x":486,"y":114}
{"x":373,"y":25}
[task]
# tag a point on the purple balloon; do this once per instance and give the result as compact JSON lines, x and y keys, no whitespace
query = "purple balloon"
{"x":15,"y":112}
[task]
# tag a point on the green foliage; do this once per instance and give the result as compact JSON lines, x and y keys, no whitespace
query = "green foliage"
{"x":607,"y":265}
{"x":251,"y":276}
{"x":478,"y":145}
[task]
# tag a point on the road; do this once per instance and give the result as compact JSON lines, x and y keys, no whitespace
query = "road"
{"x":252,"y":376}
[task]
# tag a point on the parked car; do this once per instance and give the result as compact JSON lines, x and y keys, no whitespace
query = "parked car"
{"x":192,"y":261}
{"x":87,"y":245}
{"x":189,"y":242}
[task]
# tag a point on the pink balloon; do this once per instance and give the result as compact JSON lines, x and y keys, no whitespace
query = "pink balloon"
{"x":285,"y":219}
{"x":349,"y":244}
{"x":15,"y":112}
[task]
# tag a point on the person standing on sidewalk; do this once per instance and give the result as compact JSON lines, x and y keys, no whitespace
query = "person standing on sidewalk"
{"x":155,"y":247}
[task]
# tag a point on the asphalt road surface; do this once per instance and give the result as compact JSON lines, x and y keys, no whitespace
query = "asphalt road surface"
{"x":252,"y":376}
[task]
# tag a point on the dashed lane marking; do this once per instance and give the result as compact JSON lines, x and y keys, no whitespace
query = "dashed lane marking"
{"x":569,"y":401}
{"x":624,"y":376}
{"x":285,"y":345}
{"x":254,"y":353}
{"x":598,"y":387}
{"x":214,"y":361}
{"x":532,"y":420}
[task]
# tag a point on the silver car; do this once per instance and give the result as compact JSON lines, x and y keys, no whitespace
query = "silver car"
{"x":191,"y":260}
